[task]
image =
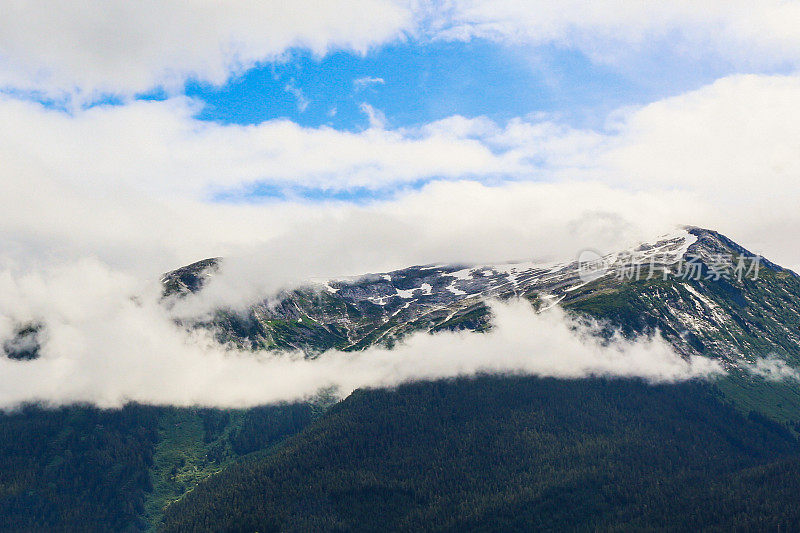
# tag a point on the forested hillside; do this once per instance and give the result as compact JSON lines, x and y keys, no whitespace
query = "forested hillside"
{"x":81,"y":468}
{"x":76,"y":468}
{"x":514,"y":454}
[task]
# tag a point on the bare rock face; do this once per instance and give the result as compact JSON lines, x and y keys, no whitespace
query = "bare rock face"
{"x":190,"y":278}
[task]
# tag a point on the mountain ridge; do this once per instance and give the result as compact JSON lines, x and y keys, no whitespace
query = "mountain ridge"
{"x":726,"y":315}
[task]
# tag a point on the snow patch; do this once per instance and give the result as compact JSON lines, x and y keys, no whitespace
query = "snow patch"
{"x":463,"y":274}
{"x":452,"y":288}
{"x":703,"y":299}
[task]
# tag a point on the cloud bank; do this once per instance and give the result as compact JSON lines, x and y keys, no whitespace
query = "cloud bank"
{"x":98,"y":201}
{"x":752,"y":34}
{"x":135,"y":185}
{"x":104,"y":347}
{"x":90,"y":48}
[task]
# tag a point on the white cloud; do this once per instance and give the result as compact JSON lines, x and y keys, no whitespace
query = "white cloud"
{"x":95,"y":47}
{"x":104,"y":348}
{"x":453,"y":222}
{"x":773,"y":369}
{"x":733,"y":132}
{"x":100,"y":201}
{"x":751,"y":34}
{"x":132,"y":181}
{"x":158,"y":147}
{"x":377,"y":120}
{"x":361,"y":83}
{"x":124,"y":47}
{"x":299,"y":97}
{"x":735,"y":143}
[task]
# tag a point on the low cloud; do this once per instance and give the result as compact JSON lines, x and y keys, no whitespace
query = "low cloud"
{"x":773,"y":368}
{"x":105,"y":346}
{"x":99,"y":199}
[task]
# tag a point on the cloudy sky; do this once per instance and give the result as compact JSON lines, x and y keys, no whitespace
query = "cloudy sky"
{"x":147,"y":135}
{"x":314,"y":138}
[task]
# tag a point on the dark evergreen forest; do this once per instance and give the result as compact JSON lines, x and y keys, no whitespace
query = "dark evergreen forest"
{"x":483,"y":454}
{"x":506,"y":454}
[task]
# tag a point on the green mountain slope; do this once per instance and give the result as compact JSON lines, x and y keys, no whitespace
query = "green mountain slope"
{"x":75,"y":468}
{"x":81,"y":468}
{"x":502,"y":454}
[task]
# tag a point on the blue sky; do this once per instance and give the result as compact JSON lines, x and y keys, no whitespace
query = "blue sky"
{"x":415,"y":82}
{"x":418,"y":82}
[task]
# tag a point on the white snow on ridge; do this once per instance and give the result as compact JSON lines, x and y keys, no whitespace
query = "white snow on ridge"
{"x":664,"y":250}
{"x":464,"y":274}
{"x":326,"y":286}
{"x":550,"y":301}
{"x":688,"y":240}
{"x":557,"y":268}
{"x":409,"y":293}
{"x":433,"y":267}
{"x":668,"y":244}
{"x":578,"y":286}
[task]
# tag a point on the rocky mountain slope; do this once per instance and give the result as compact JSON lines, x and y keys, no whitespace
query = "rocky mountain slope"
{"x":704,"y":293}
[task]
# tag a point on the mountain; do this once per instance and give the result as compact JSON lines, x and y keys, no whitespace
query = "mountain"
{"x":490,"y":453}
{"x":702,"y":292}
{"x":716,"y":299}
